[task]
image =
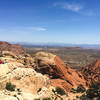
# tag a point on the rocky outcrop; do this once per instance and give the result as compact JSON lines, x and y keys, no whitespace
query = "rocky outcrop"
{"x":36,"y":77}
{"x":91,"y":72}
{"x":29,"y":84}
{"x":53,"y":66}
{"x":25,"y":79}
{"x":47,"y":64}
{"x":15,"y":48}
{"x":28,"y":61}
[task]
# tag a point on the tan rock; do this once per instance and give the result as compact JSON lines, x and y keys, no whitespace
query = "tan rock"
{"x":9,"y":54}
{"x":29,"y":61}
{"x":24,"y":78}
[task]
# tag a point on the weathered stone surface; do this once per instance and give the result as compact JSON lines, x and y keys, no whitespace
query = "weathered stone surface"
{"x":61,"y":83}
{"x":12,"y":57}
{"x":26,"y":79}
{"x":53,"y":66}
{"x":8,"y":54}
{"x":91,"y":72}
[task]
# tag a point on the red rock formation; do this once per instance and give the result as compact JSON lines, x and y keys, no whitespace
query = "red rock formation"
{"x":5,"y":46}
{"x":91,"y":72}
{"x":56,"y":69}
{"x":61,"y":83}
{"x":72,"y":78}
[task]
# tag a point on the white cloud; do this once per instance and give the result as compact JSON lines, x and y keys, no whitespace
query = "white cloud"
{"x":68,"y":6}
{"x":36,"y":28}
{"x":23,"y":30}
{"x":76,"y":7}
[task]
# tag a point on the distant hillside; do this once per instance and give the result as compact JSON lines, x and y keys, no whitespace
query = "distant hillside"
{"x":85,"y":46}
{"x":16,"y":48}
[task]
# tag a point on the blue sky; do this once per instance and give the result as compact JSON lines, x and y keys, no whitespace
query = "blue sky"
{"x":43,"y":21}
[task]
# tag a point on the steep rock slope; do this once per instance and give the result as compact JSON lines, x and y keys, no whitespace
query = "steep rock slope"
{"x":53,"y":66}
{"x":91,"y":72}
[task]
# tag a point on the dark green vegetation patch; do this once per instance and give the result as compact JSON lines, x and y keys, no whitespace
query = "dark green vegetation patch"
{"x":60,"y":91}
{"x":93,"y":93}
{"x":10,"y":87}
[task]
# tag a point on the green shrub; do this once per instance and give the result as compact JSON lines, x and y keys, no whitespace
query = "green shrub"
{"x":10,"y":87}
{"x":94,"y":90}
{"x":81,"y":89}
{"x":60,"y":91}
{"x":84,"y":97}
{"x":95,"y":85}
{"x":19,"y":93}
{"x":46,"y":98}
{"x":93,"y":93}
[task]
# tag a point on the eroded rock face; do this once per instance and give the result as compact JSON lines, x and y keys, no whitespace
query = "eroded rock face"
{"x":61,"y":83}
{"x":91,"y":72}
{"x":32,"y":85}
{"x":15,"y":48}
{"x":25,"y":79}
{"x":26,"y":60}
{"x":53,"y":66}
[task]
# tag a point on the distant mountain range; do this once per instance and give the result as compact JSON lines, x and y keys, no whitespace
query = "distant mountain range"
{"x":85,"y":46}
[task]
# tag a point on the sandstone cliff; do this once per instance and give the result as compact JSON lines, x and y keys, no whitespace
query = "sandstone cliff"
{"x":60,"y":74}
{"x":91,"y":72}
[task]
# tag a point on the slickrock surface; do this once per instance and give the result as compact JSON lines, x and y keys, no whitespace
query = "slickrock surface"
{"x":32,"y":85}
{"x":53,"y":66}
{"x":28,"y":61}
{"x":91,"y":72}
{"x":24,"y":78}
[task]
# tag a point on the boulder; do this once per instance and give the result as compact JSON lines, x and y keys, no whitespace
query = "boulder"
{"x":53,"y":66}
